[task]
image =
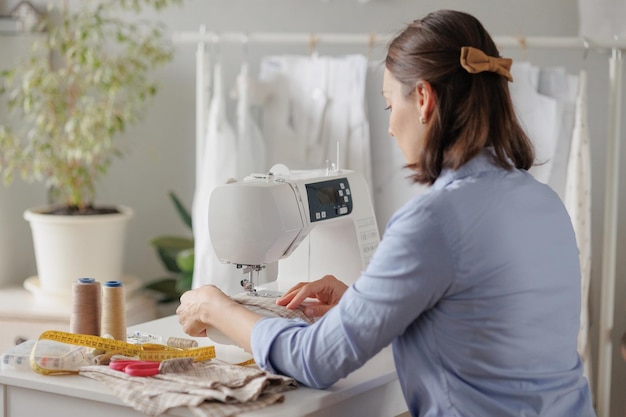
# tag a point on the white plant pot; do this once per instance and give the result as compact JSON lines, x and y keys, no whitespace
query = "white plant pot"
{"x":71,"y":247}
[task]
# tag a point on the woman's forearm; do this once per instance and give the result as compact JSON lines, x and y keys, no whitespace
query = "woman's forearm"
{"x":207,"y":307}
{"x":232,"y":319}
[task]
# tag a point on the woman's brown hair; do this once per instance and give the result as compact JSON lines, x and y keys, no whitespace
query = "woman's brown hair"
{"x":472,"y":111}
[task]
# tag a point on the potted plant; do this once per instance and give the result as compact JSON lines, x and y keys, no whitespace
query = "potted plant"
{"x":85,"y":80}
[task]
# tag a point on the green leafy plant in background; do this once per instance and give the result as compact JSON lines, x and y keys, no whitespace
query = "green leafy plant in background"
{"x":177,"y":256}
{"x":85,"y":80}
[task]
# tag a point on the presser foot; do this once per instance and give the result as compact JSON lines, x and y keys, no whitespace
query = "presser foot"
{"x":251,"y":290}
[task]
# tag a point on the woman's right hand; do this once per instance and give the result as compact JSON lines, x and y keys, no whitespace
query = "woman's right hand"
{"x":327,"y":290}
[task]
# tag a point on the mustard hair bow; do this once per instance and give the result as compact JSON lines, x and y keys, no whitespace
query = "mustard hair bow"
{"x":474,"y":61}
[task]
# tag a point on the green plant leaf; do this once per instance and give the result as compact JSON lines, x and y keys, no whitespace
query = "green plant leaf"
{"x":184,"y":282}
{"x":168,"y":248}
{"x":182,"y":211}
{"x":166,"y":284}
{"x":185,"y":260}
{"x":166,"y":287}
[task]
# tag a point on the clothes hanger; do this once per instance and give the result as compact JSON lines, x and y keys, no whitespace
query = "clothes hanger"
{"x":245,"y":44}
{"x":371,"y":43}
{"x":243,"y":71}
{"x":586,"y":51}
{"x":216,"y":47}
{"x":524,"y":47}
{"x":313,"y":41}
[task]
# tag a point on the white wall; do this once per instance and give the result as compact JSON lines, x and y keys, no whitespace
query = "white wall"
{"x":161,"y":150}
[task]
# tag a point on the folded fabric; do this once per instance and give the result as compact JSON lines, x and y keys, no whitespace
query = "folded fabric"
{"x":207,"y":389}
{"x":267,"y":306}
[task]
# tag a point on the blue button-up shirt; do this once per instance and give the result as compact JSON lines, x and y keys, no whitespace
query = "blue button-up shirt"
{"x":477,"y":284}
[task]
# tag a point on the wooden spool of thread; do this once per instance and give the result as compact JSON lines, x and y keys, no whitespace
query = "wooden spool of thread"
{"x":86,"y":307}
{"x":113,"y":310}
{"x":181,"y":343}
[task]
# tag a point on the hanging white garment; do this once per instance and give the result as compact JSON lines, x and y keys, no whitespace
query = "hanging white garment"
{"x":392,"y":188}
{"x":315,"y":75}
{"x":563,"y":87}
{"x":281,"y":117}
{"x":250,"y":144}
{"x":347,"y":121}
{"x":578,"y":204}
{"x":218,"y":165}
{"x":318,"y":102}
{"x":359,"y":153}
{"x":538,"y":115}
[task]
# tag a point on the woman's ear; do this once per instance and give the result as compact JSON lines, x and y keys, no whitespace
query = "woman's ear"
{"x":425,"y":99}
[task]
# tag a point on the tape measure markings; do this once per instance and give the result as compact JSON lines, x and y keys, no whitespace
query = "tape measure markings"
{"x":147,"y":352}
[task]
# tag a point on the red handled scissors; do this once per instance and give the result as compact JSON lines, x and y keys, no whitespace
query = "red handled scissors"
{"x":136,"y":368}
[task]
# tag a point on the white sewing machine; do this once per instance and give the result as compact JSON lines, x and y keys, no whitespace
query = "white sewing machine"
{"x":314,"y":223}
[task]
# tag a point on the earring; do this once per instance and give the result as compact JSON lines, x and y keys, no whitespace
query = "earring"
{"x":422,"y":120}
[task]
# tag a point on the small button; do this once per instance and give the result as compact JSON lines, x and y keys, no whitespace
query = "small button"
{"x":342,"y":185}
{"x":317,"y":216}
{"x":347,"y":191}
{"x":323,"y":215}
{"x":342,"y":210}
{"x":346,"y":199}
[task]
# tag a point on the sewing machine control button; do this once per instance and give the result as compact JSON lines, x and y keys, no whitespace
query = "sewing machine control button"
{"x":323,"y":215}
{"x":346,"y":199}
{"x":342,"y":185}
{"x":340,"y":192}
{"x":347,"y":191}
{"x":317,"y":216}
{"x":342,"y":210}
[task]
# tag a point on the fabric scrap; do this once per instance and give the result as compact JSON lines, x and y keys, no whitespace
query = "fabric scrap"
{"x":207,"y":389}
{"x":267,"y":306}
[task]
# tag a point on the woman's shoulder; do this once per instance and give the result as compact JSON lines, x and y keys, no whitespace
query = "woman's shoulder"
{"x":422,"y":207}
{"x":461,"y":196}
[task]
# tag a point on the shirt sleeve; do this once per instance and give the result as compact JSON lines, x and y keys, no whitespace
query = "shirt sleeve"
{"x":411,"y":269}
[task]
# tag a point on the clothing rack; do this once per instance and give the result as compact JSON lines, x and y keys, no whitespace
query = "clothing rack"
{"x":301,"y":38}
{"x":607,"y":302}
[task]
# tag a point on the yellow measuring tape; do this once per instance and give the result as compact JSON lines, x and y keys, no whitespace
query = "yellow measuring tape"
{"x":147,"y":352}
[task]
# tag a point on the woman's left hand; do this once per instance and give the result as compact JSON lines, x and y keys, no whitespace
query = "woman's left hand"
{"x":194,"y":311}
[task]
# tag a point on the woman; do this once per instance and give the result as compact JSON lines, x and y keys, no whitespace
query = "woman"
{"x":476,"y":282}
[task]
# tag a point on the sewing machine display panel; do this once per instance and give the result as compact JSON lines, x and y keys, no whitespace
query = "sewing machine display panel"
{"x":329,"y":199}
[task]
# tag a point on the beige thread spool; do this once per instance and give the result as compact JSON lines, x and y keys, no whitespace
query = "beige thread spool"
{"x":104,"y":358}
{"x":114,"y":310}
{"x":86,"y":307}
{"x":181,"y":343}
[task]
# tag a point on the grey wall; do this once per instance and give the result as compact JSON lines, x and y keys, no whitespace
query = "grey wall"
{"x":160,"y":151}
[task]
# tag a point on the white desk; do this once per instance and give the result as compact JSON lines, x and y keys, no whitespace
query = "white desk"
{"x":372,"y":390}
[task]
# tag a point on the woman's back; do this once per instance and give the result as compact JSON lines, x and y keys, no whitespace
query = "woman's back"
{"x":501,"y":339}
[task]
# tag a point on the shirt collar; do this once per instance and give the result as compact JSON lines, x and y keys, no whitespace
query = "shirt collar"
{"x":480,"y":163}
